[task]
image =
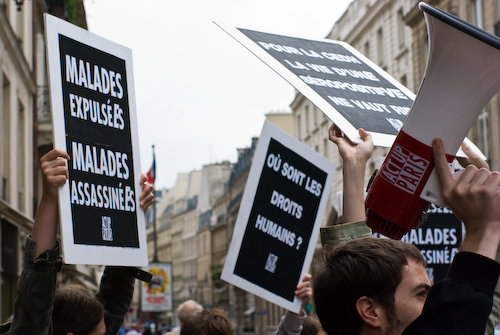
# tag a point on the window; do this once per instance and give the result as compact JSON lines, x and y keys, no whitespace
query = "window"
{"x":325,"y":147}
{"x":315,"y":115}
{"x":20,"y":24}
{"x":404,"y":81}
{"x":401,"y":28}
{"x":307,"y":119}
{"x":299,"y":135}
{"x":380,"y":46}
{"x":5,"y":139}
{"x":21,"y":168}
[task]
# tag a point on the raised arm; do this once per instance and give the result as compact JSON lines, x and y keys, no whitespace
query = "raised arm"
{"x":354,"y":158}
{"x":55,"y":174}
{"x":291,"y":323}
{"x":475,"y":199}
{"x":117,"y":283}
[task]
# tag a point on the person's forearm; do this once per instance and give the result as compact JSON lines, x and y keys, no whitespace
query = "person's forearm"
{"x":484,"y":242}
{"x":354,"y":199}
{"x":45,"y":227}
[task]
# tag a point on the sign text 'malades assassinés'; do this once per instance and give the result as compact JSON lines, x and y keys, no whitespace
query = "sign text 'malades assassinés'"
{"x":98,"y":140}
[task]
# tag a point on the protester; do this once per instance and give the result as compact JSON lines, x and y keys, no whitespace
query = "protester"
{"x":123,"y":329}
{"x":208,"y":322}
{"x":291,"y":323}
{"x":185,"y":311}
{"x":39,"y":309}
{"x":379,"y":286}
{"x":135,"y":329}
{"x":310,"y":327}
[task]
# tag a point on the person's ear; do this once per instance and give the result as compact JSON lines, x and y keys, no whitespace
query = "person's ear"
{"x":369,"y":311}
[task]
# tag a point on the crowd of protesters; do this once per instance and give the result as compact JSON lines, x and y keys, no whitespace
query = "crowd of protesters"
{"x":364,"y":286}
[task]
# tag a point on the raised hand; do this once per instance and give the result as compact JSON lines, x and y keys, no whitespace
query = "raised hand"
{"x":474,"y":198}
{"x":54,"y":171}
{"x":147,"y":197}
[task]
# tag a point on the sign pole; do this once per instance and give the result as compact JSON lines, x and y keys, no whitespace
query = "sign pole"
{"x":155,"y":257}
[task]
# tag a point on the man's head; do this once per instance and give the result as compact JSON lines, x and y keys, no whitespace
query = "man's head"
{"x":188,"y":309}
{"x":208,"y":322}
{"x":77,"y":311}
{"x":370,"y":283}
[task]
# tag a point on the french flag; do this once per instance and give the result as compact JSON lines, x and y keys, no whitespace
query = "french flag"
{"x":152,"y":172}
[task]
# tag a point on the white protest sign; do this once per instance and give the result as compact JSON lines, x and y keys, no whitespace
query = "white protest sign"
{"x":345,"y":85}
{"x":279,"y":218}
{"x":94,"y":120}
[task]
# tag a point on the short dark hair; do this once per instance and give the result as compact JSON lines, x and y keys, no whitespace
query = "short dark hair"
{"x":76,"y":310}
{"x":369,"y":267}
{"x":208,"y":322}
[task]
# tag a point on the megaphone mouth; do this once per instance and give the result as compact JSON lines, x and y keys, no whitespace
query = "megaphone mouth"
{"x":385,"y":227}
{"x":461,"y":25}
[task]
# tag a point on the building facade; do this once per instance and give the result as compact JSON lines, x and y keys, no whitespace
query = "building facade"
{"x":24,"y":106}
{"x":16,"y":143}
{"x":241,"y":303}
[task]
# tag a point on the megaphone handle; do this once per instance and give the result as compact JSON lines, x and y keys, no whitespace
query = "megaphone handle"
{"x":432,"y":190}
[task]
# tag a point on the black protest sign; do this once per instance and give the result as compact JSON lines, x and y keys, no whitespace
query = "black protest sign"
{"x":94,"y":121}
{"x":96,"y":115}
{"x":438,"y":239}
{"x":281,"y":221}
{"x":278,"y":223}
{"x":352,"y":91}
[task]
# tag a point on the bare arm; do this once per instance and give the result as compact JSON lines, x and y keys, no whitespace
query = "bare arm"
{"x":354,"y":158}
{"x":55,"y":173}
{"x":475,"y":199}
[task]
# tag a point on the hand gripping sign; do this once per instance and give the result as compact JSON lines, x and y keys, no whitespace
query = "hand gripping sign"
{"x":279,"y":218}
{"x":94,"y":120}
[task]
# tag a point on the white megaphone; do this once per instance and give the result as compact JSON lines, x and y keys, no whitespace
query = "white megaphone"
{"x":462,"y":75}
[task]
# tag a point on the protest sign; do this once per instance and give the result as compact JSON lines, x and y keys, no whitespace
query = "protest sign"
{"x":438,"y":239}
{"x":156,"y":296}
{"x":279,"y":218}
{"x":94,"y":121}
{"x":345,"y":85}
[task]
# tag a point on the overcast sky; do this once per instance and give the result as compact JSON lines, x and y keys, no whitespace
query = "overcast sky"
{"x":200,"y":94}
